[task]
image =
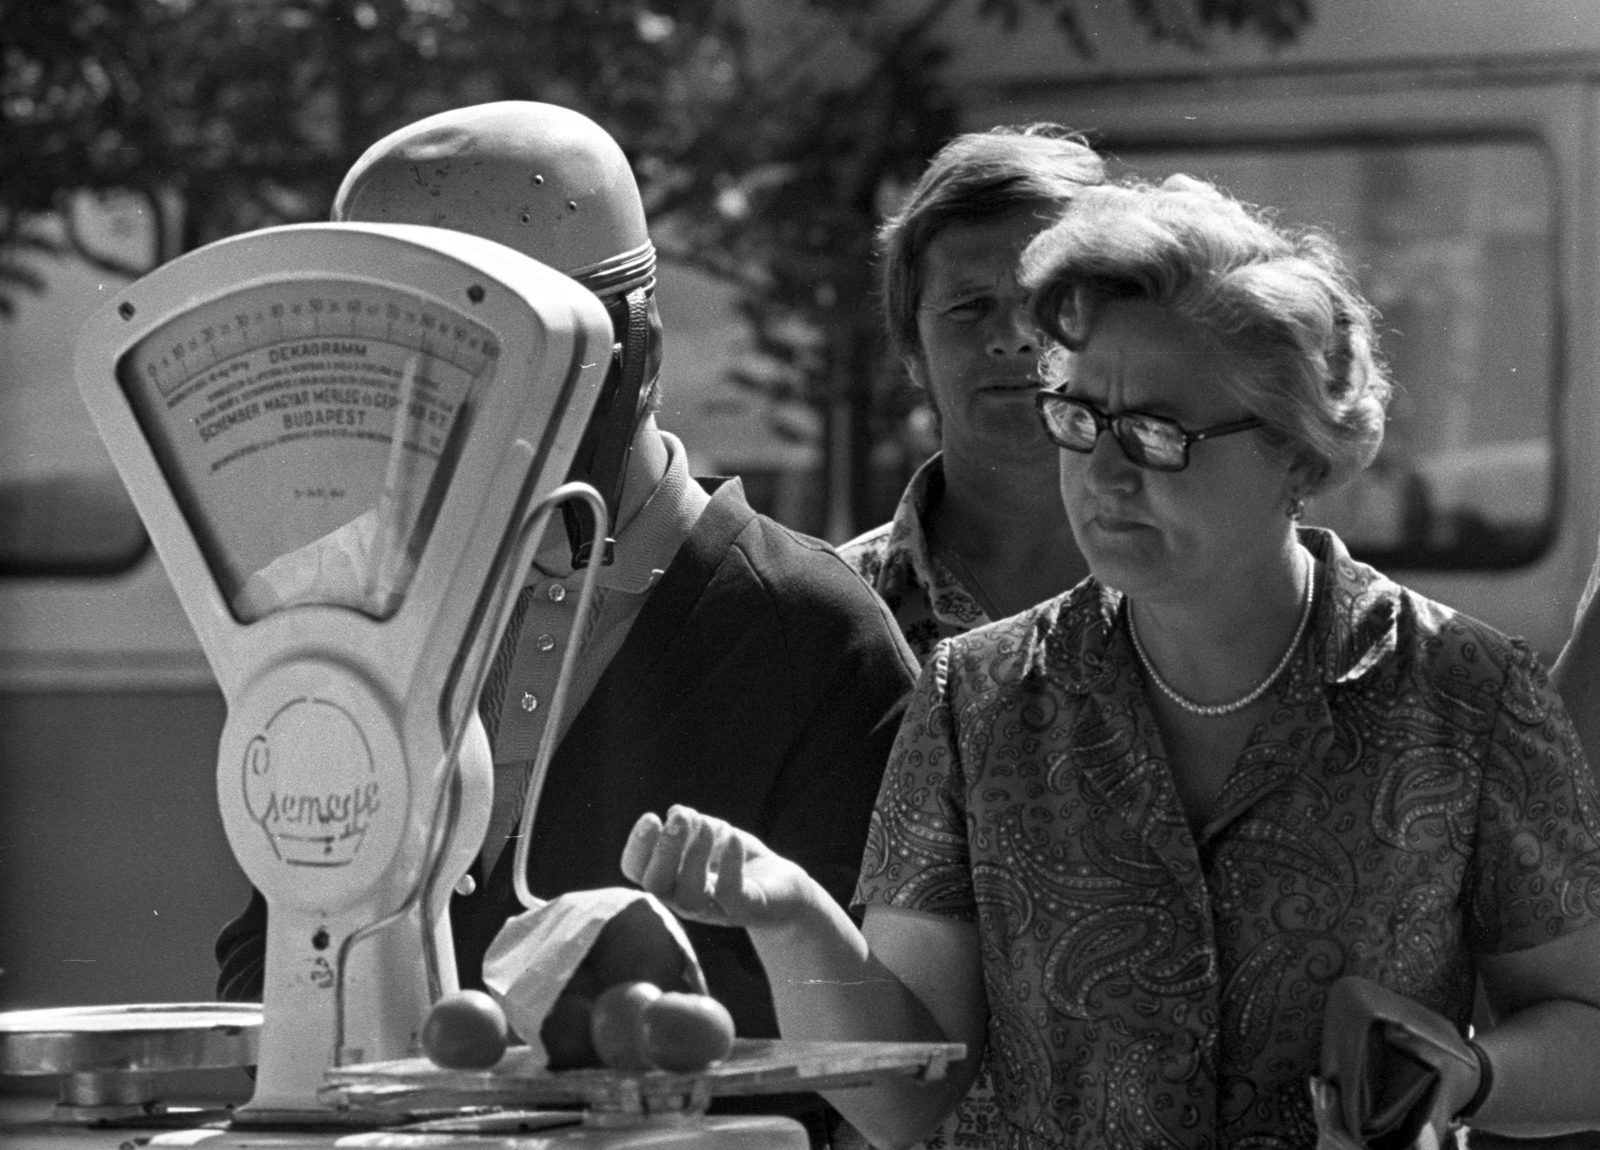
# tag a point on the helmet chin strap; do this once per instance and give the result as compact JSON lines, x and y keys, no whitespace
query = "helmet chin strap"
{"x":603,"y":456}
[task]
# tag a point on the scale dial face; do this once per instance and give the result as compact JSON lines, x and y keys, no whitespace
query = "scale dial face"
{"x":308,"y":429}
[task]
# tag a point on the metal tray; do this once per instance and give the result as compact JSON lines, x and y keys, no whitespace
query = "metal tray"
{"x":164,"y":1036}
{"x":755,"y":1066}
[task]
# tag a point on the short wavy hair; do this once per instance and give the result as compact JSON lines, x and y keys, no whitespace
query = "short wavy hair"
{"x":976,"y":177}
{"x":1279,"y":300}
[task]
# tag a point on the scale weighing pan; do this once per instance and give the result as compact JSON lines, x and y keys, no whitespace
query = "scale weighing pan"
{"x":109,"y":1057}
{"x":754,"y":1066}
{"x":411,"y":1104}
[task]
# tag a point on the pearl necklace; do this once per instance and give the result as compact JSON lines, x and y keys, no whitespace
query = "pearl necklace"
{"x":1214,"y":709}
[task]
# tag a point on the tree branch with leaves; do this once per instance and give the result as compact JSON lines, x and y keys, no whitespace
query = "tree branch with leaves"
{"x":763,"y":161}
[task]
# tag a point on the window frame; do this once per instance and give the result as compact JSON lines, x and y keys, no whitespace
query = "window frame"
{"x":1424,"y":558}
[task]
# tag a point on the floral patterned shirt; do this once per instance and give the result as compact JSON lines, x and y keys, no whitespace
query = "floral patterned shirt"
{"x":1417,"y":796}
{"x":927,"y":600}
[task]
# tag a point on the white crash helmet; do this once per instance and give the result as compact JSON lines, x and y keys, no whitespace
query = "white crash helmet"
{"x":552,"y":184}
{"x":542,"y":179}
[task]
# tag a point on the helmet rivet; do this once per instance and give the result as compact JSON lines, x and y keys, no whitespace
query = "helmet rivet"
{"x":538,"y":179}
{"x":475,"y":293}
{"x":572,"y":205}
{"x":527,"y":217}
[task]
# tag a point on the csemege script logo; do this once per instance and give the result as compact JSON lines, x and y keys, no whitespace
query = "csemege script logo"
{"x":310,"y":783}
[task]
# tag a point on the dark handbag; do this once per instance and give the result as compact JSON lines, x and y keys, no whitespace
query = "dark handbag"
{"x":1389,"y":1092}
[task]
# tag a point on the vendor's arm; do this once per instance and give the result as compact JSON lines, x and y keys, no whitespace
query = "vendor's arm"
{"x":906,"y":976}
{"x":1545,"y":1046}
{"x":1534,"y":914}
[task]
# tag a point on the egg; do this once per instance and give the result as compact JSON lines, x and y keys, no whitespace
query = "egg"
{"x":685,"y":1032}
{"x":465,"y":1030}
{"x":617,"y":1025}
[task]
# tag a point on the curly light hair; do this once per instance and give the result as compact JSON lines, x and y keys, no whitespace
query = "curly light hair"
{"x":1279,"y":301}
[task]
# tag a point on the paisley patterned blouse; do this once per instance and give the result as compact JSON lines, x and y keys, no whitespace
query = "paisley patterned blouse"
{"x":1417,"y":796}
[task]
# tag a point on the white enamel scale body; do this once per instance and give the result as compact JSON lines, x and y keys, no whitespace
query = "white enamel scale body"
{"x":334,"y":434}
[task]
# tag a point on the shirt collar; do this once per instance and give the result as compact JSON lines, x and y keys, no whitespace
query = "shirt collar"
{"x":908,"y":542}
{"x":907,"y":551}
{"x":647,"y":542}
{"x":1356,"y":624}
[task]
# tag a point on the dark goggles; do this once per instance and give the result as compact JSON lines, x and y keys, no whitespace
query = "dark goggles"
{"x":1148,"y":441}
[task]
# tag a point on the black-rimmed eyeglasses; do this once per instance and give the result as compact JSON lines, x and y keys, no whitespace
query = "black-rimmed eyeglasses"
{"x":1149,"y":441}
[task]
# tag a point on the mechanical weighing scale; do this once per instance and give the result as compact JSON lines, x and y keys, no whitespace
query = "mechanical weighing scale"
{"x":344,"y":441}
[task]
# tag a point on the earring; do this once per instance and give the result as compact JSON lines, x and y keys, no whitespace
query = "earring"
{"x":1297,"y":508}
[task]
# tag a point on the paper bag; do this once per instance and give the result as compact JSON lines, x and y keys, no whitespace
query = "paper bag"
{"x":540,"y":952}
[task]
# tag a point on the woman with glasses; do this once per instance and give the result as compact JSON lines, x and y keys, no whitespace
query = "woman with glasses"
{"x":1192,"y":848}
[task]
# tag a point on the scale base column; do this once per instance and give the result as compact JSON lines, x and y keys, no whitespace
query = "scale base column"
{"x":386,"y":1001}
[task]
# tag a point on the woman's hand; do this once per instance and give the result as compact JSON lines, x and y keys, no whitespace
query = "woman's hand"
{"x":712,"y":872}
{"x":827,"y":985}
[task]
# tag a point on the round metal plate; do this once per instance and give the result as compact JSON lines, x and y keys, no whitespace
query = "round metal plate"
{"x":163,"y":1036}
